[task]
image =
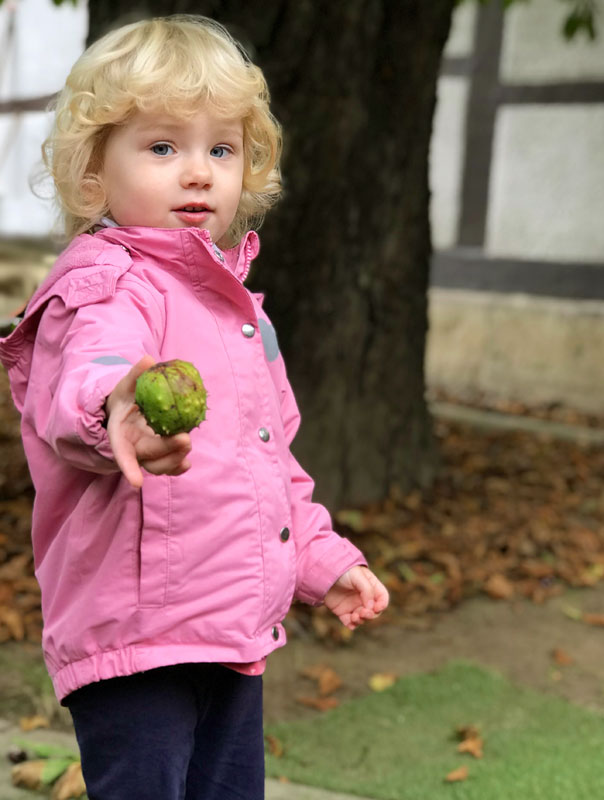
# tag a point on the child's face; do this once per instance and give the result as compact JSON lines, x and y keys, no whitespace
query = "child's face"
{"x":166,"y":172}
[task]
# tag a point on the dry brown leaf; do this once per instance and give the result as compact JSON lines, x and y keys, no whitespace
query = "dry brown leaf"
{"x":593,"y":619}
{"x":459,"y":774}
{"x":15,"y":568}
{"x":328,"y":680}
{"x":27,"y":583}
{"x":28,"y":774}
{"x":70,"y":785}
{"x":312,"y":671}
{"x":471,"y":746}
{"x":13,"y":620}
{"x":382,"y":681}
{"x":499,"y":587}
{"x":33,"y":723}
{"x":561,"y":657}
{"x":467,"y":732}
{"x":7,"y":592}
{"x":275,"y":746}
{"x":319,"y":703}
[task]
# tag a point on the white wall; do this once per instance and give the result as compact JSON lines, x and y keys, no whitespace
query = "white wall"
{"x":34,"y":61}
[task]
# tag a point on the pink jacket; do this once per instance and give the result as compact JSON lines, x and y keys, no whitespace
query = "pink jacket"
{"x":199,"y":567}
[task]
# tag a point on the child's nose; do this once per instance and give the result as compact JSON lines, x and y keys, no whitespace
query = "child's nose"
{"x":196,"y":172}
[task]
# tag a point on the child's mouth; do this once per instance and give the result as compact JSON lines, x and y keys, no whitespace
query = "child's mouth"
{"x":193,"y":214}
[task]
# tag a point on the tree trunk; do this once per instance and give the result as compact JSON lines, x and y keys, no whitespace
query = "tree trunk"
{"x":345,"y":256}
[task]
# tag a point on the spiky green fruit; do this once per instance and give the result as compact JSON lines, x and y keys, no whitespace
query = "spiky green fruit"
{"x":171,"y":397}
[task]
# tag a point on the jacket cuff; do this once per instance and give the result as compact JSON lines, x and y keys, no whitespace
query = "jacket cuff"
{"x":319,"y":579}
{"x":91,"y":399}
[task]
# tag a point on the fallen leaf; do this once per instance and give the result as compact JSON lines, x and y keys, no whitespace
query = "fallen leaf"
{"x":572,"y":612}
{"x":382,"y":681}
{"x":32,"y":723}
{"x":319,"y":703}
{"x":15,"y":568}
{"x":471,"y":746}
{"x":499,"y":587}
{"x":459,"y":774}
{"x":467,"y":732}
{"x":71,"y":783}
{"x":594,"y":619}
{"x":561,"y":657}
{"x":275,"y":747}
{"x":54,"y":768}
{"x":28,"y":774}
{"x":13,"y":621}
{"x":328,"y":680}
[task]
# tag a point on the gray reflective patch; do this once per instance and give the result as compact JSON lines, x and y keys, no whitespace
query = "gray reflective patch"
{"x":110,"y":360}
{"x":269,"y":340}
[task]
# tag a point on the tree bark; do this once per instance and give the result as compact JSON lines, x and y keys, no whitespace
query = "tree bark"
{"x":345,"y":257}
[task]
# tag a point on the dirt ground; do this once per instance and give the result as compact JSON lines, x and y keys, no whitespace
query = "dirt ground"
{"x":522,"y":640}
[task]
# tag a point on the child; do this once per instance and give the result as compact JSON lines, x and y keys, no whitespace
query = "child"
{"x":163,"y":591}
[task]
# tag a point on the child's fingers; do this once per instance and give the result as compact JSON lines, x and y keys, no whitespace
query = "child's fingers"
{"x":125,"y":457}
{"x":169,"y":465}
{"x":157,"y":448}
{"x":363,"y":586}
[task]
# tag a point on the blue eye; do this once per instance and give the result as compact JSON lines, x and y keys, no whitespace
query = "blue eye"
{"x":162,"y":149}
{"x":219,"y":151}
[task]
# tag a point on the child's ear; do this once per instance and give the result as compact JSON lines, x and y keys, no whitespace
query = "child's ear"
{"x":93,"y":191}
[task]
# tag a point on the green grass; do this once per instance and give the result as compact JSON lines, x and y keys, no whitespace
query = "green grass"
{"x":400,"y":744}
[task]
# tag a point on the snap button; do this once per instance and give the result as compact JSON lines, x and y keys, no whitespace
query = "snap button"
{"x":284,"y":534}
{"x":264,"y":434}
{"x":275,"y":632}
{"x":248,"y":330}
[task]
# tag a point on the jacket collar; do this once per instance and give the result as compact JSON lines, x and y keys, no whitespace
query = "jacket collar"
{"x":183,"y":247}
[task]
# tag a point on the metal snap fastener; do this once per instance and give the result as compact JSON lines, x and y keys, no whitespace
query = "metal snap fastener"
{"x":284,"y":534}
{"x":275,"y":632}
{"x":264,"y":434}
{"x":248,"y":330}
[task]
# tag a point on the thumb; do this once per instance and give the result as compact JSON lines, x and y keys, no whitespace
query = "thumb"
{"x":130,"y":379}
{"x":362,"y":584}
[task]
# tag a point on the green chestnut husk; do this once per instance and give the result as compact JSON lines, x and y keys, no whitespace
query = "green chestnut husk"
{"x":171,"y":397}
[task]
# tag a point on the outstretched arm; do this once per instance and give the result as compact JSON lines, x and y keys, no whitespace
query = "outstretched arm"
{"x":133,"y":442}
{"x":357,"y":596}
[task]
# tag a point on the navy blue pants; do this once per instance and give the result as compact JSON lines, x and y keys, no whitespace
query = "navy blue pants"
{"x":184,"y":732}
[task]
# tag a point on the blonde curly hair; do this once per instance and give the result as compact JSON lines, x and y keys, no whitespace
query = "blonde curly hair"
{"x":174,"y":65}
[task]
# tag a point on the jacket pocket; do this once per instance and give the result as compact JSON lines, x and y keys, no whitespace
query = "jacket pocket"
{"x":154,"y":541}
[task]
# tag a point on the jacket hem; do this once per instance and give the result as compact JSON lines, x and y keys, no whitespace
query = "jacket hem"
{"x":140,"y":658}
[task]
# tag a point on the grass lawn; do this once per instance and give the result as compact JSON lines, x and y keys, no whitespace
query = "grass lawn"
{"x":400,"y":744}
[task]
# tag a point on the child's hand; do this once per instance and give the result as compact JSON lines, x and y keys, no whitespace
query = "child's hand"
{"x":357,"y":596}
{"x":132,"y":440}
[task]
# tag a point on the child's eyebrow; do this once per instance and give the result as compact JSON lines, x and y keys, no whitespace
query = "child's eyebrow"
{"x":149,"y":127}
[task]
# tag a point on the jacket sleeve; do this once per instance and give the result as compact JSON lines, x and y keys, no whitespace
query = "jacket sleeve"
{"x":81,"y":354}
{"x":322,"y":555}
